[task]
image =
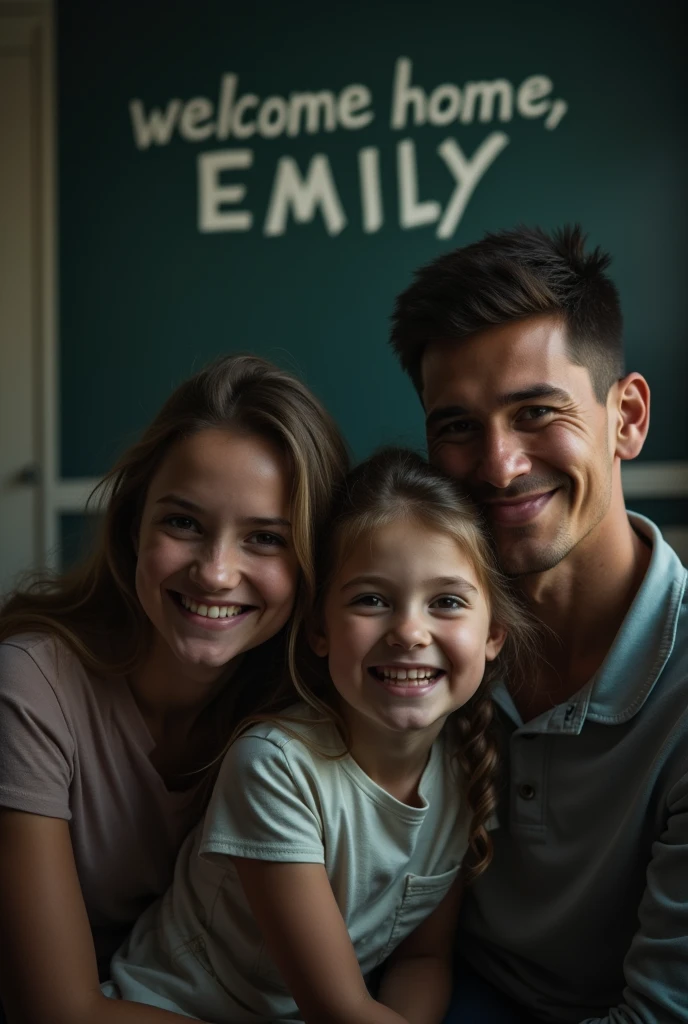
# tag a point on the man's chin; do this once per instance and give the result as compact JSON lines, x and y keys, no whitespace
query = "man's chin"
{"x":524,"y":559}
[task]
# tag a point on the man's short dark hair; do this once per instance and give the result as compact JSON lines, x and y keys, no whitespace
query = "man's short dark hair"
{"x":511,"y":276}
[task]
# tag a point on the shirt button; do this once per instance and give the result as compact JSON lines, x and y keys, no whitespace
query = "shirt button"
{"x":526,"y":791}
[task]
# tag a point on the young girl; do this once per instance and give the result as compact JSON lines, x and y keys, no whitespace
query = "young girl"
{"x":121,"y":681}
{"x":338,"y":826}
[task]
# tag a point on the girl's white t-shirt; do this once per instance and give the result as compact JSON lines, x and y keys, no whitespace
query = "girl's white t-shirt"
{"x":200,"y":952}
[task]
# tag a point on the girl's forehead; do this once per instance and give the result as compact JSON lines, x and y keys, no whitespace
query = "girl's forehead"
{"x":407,"y":542}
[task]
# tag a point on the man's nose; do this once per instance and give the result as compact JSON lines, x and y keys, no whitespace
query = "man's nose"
{"x":502,"y":458}
{"x":408,"y":631}
{"x":217,"y":568}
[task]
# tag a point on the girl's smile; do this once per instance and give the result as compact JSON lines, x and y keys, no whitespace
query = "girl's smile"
{"x":406,"y":680}
{"x":407,"y":629}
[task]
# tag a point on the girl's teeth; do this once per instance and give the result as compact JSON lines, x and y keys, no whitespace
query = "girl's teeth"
{"x":417,"y":676}
{"x":213,"y":611}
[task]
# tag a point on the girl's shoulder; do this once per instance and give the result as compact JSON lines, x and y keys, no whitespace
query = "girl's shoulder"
{"x":298,"y":728}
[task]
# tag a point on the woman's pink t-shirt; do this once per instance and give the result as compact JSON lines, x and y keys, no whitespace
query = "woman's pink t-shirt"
{"x":75,"y":746}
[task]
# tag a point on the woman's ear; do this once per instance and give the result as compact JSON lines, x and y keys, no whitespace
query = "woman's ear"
{"x":134,"y":531}
{"x":495,"y":641}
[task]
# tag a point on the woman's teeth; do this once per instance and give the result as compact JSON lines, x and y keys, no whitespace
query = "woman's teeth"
{"x":414,"y":676}
{"x":211,"y":611}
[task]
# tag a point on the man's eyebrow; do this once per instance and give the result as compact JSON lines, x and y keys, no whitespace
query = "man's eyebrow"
{"x":536,"y":391}
{"x":510,"y":398}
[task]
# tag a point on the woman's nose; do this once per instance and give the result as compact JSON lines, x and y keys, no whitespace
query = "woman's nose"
{"x":216,"y":569}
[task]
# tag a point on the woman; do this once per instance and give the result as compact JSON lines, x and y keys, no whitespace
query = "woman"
{"x":121,"y":681}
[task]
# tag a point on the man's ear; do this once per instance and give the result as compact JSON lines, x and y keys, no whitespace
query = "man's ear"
{"x":632,"y":414}
{"x":495,"y":641}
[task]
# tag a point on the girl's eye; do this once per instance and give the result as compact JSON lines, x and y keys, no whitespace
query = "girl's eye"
{"x":268,"y":540}
{"x":184,"y":523}
{"x":369,"y":601}
{"x":449,"y":602}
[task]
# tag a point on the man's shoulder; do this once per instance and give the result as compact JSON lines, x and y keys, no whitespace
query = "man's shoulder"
{"x":649,"y":657}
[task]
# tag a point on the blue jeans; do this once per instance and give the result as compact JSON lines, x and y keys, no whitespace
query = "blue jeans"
{"x":474,"y":1001}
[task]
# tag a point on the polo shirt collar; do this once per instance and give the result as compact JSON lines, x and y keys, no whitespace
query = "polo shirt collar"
{"x":635,"y":660}
{"x":646,"y":638}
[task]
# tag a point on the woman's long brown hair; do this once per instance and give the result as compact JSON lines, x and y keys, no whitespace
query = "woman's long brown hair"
{"x":93,"y":608}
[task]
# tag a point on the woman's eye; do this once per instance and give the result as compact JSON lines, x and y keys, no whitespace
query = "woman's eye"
{"x":268,"y":540}
{"x":184,"y":523}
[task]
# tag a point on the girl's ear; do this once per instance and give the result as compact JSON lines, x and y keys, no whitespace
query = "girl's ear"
{"x":495,"y":641}
{"x":317,"y":640}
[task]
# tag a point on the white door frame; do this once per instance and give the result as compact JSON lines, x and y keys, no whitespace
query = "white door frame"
{"x":27,"y":29}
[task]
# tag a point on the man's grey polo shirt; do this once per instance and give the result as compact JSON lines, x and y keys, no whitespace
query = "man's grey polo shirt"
{"x":583,"y":914}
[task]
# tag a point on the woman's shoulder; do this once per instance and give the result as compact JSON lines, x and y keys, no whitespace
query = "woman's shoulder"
{"x":27,"y":642}
{"x":41,"y":669}
{"x":31,"y":655}
{"x":43,"y":643}
{"x":36,"y":653}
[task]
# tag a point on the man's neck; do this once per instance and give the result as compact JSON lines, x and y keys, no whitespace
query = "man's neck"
{"x":582,"y":602}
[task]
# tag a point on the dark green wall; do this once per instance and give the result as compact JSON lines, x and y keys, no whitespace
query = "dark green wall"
{"x":146,"y":298}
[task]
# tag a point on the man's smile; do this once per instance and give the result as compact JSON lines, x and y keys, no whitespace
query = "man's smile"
{"x":516,"y":511}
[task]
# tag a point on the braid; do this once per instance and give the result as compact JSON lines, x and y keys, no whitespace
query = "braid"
{"x":478,"y":758}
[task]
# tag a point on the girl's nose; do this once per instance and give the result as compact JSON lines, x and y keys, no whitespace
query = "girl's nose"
{"x":409,"y":632}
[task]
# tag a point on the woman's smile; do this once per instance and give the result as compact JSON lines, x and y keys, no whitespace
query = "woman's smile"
{"x":216,"y":570}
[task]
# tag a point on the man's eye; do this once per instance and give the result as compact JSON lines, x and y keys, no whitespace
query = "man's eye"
{"x":535,"y":412}
{"x":455,"y":427}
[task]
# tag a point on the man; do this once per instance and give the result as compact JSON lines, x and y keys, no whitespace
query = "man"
{"x":514,"y":344}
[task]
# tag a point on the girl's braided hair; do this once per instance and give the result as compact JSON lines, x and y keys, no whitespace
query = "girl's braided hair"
{"x":396,"y":484}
